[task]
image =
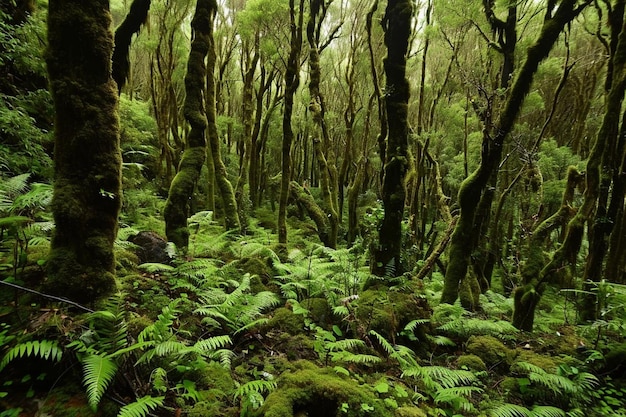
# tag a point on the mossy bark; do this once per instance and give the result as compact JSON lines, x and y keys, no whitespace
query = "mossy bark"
{"x":87,"y":188}
{"x":533,"y":283}
{"x":321,"y":141}
{"x":123,"y":35}
{"x":397,"y":23}
{"x":473,"y":187}
{"x":177,"y":206}
{"x":315,"y":212}
{"x":229,"y":203}
{"x":292,"y":81}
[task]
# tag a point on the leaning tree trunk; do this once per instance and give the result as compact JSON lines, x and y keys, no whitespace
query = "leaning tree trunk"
{"x":181,"y":190}
{"x":474,"y":186}
{"x":398,"y":30}
{"x":87,"y":188}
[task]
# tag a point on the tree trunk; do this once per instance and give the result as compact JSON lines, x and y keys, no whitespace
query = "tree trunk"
{"x":473,"y":187}
{"x":87,"y":188}
{"x":123,"y":35}
{"x":292,"y":80}
{"x":397,"y":22}
{"x":177,"y":206}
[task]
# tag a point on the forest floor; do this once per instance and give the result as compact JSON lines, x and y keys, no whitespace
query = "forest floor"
{"x":241,"y":326}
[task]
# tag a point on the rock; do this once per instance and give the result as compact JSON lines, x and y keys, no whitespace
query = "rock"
{"x":151,"y":247}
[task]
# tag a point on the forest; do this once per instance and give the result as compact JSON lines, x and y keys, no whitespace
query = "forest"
{"x":290,"y":208}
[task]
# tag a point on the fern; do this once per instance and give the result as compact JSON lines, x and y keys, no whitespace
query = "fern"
{"x":44,"y":349}
{"x":141,"y":407}
{"x":259,"y":386}
{"x":98,"y":371}
{"x":213,"y":343}
{"x":514,"y":410}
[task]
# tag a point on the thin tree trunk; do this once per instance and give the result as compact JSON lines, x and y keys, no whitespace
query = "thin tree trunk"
{"x":292,"y":80}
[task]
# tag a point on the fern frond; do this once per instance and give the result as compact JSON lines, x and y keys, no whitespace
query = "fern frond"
{"x":141,"y":407}
{"x":547,"y":411}
{"x":44,"y":349}
{"x":252,"y":324}
{"x":345,"y":344}
{"x":510,"y":410}
{"x":15,"y":185}
{"x":224,"y":356}
{"x":213,"y":343}
{"x":441,"y":340}
{"x":358,"y":358}
{"x":388,"y":347}
{"x":98,"y":371}
{"x":258,"y":385}
{"x":414,"y":324}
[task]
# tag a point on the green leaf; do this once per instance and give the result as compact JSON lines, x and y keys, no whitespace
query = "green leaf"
{"x":98,"y":371}
{"x":141,"y":407}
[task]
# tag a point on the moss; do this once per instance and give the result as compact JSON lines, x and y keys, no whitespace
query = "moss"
{"x":387,"y":312}
{"x":510,"y":385}
{"x":546,"y":363}
{"x":471,"y":362}
{"x":319,"y":311}
{"x":308,"y":390}
{"x":284,"y":320}
{"x":491,"y":350}
{"x":409,"y":412}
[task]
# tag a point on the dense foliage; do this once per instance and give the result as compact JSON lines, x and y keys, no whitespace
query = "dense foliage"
{"x":247,"y":319}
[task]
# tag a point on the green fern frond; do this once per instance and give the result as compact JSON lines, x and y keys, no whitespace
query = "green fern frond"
{"x":341,"y":311}
{"x":441,"y":340}
{"x":510,"y":410}
{"x":252,"y":324}
{"x":414,"y":324}
{"x":159,"y":379}
{"x":358,"y":358}
{"x":98,"y":371}
{"x":44,"y":349}
{"x":141,"y":407}
{"x":213,"y":343}
{"x":345,"y":344}
{"x":547,"y":411}
{"x":388,"y":347}
{"x":465,"y":327}
{"x":556,"y":383}
{"x":449,"y":378}
{"x":16,"y":185}
{"x":224,"y":356}
{"x":259,"y":386}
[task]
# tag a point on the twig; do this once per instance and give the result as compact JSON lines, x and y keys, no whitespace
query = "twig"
{"x":52,"y":297}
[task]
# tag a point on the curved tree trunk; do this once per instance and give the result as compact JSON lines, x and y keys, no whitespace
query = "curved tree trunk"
{"x":177,"y":208}
{"x":123,"y":35}
{"x":473,"y":187}
{"x":87,"y":189}
{"x":398,"y":30}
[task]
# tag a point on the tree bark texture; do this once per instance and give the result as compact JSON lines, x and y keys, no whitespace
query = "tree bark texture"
{"x":177,"y":207}
{"x":397,"y":22}
{"x":474,"y":186}
{"x":87,"y":188}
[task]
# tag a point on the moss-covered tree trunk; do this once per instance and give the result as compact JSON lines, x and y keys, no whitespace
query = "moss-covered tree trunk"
{"x":229,"y":203}
{"x":321,"y":142}
{"x":177,"y":207}
{"x":123,"y":35}
{"x":529,"y":293}
{"x":473,"y":187}
{"x":87,"y":187}
{"x":397,"y":24}
{"x":292,"y":80}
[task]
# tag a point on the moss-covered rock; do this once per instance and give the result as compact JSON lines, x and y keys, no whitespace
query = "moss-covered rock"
{"x":284,"y":320}
{"x":319,"y":311}
{"x":491,"y":350}
{"x":388,"y":311}
{"x":546,"y":363}
{"x":312,"y":391}
{"x":471,"y":362}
